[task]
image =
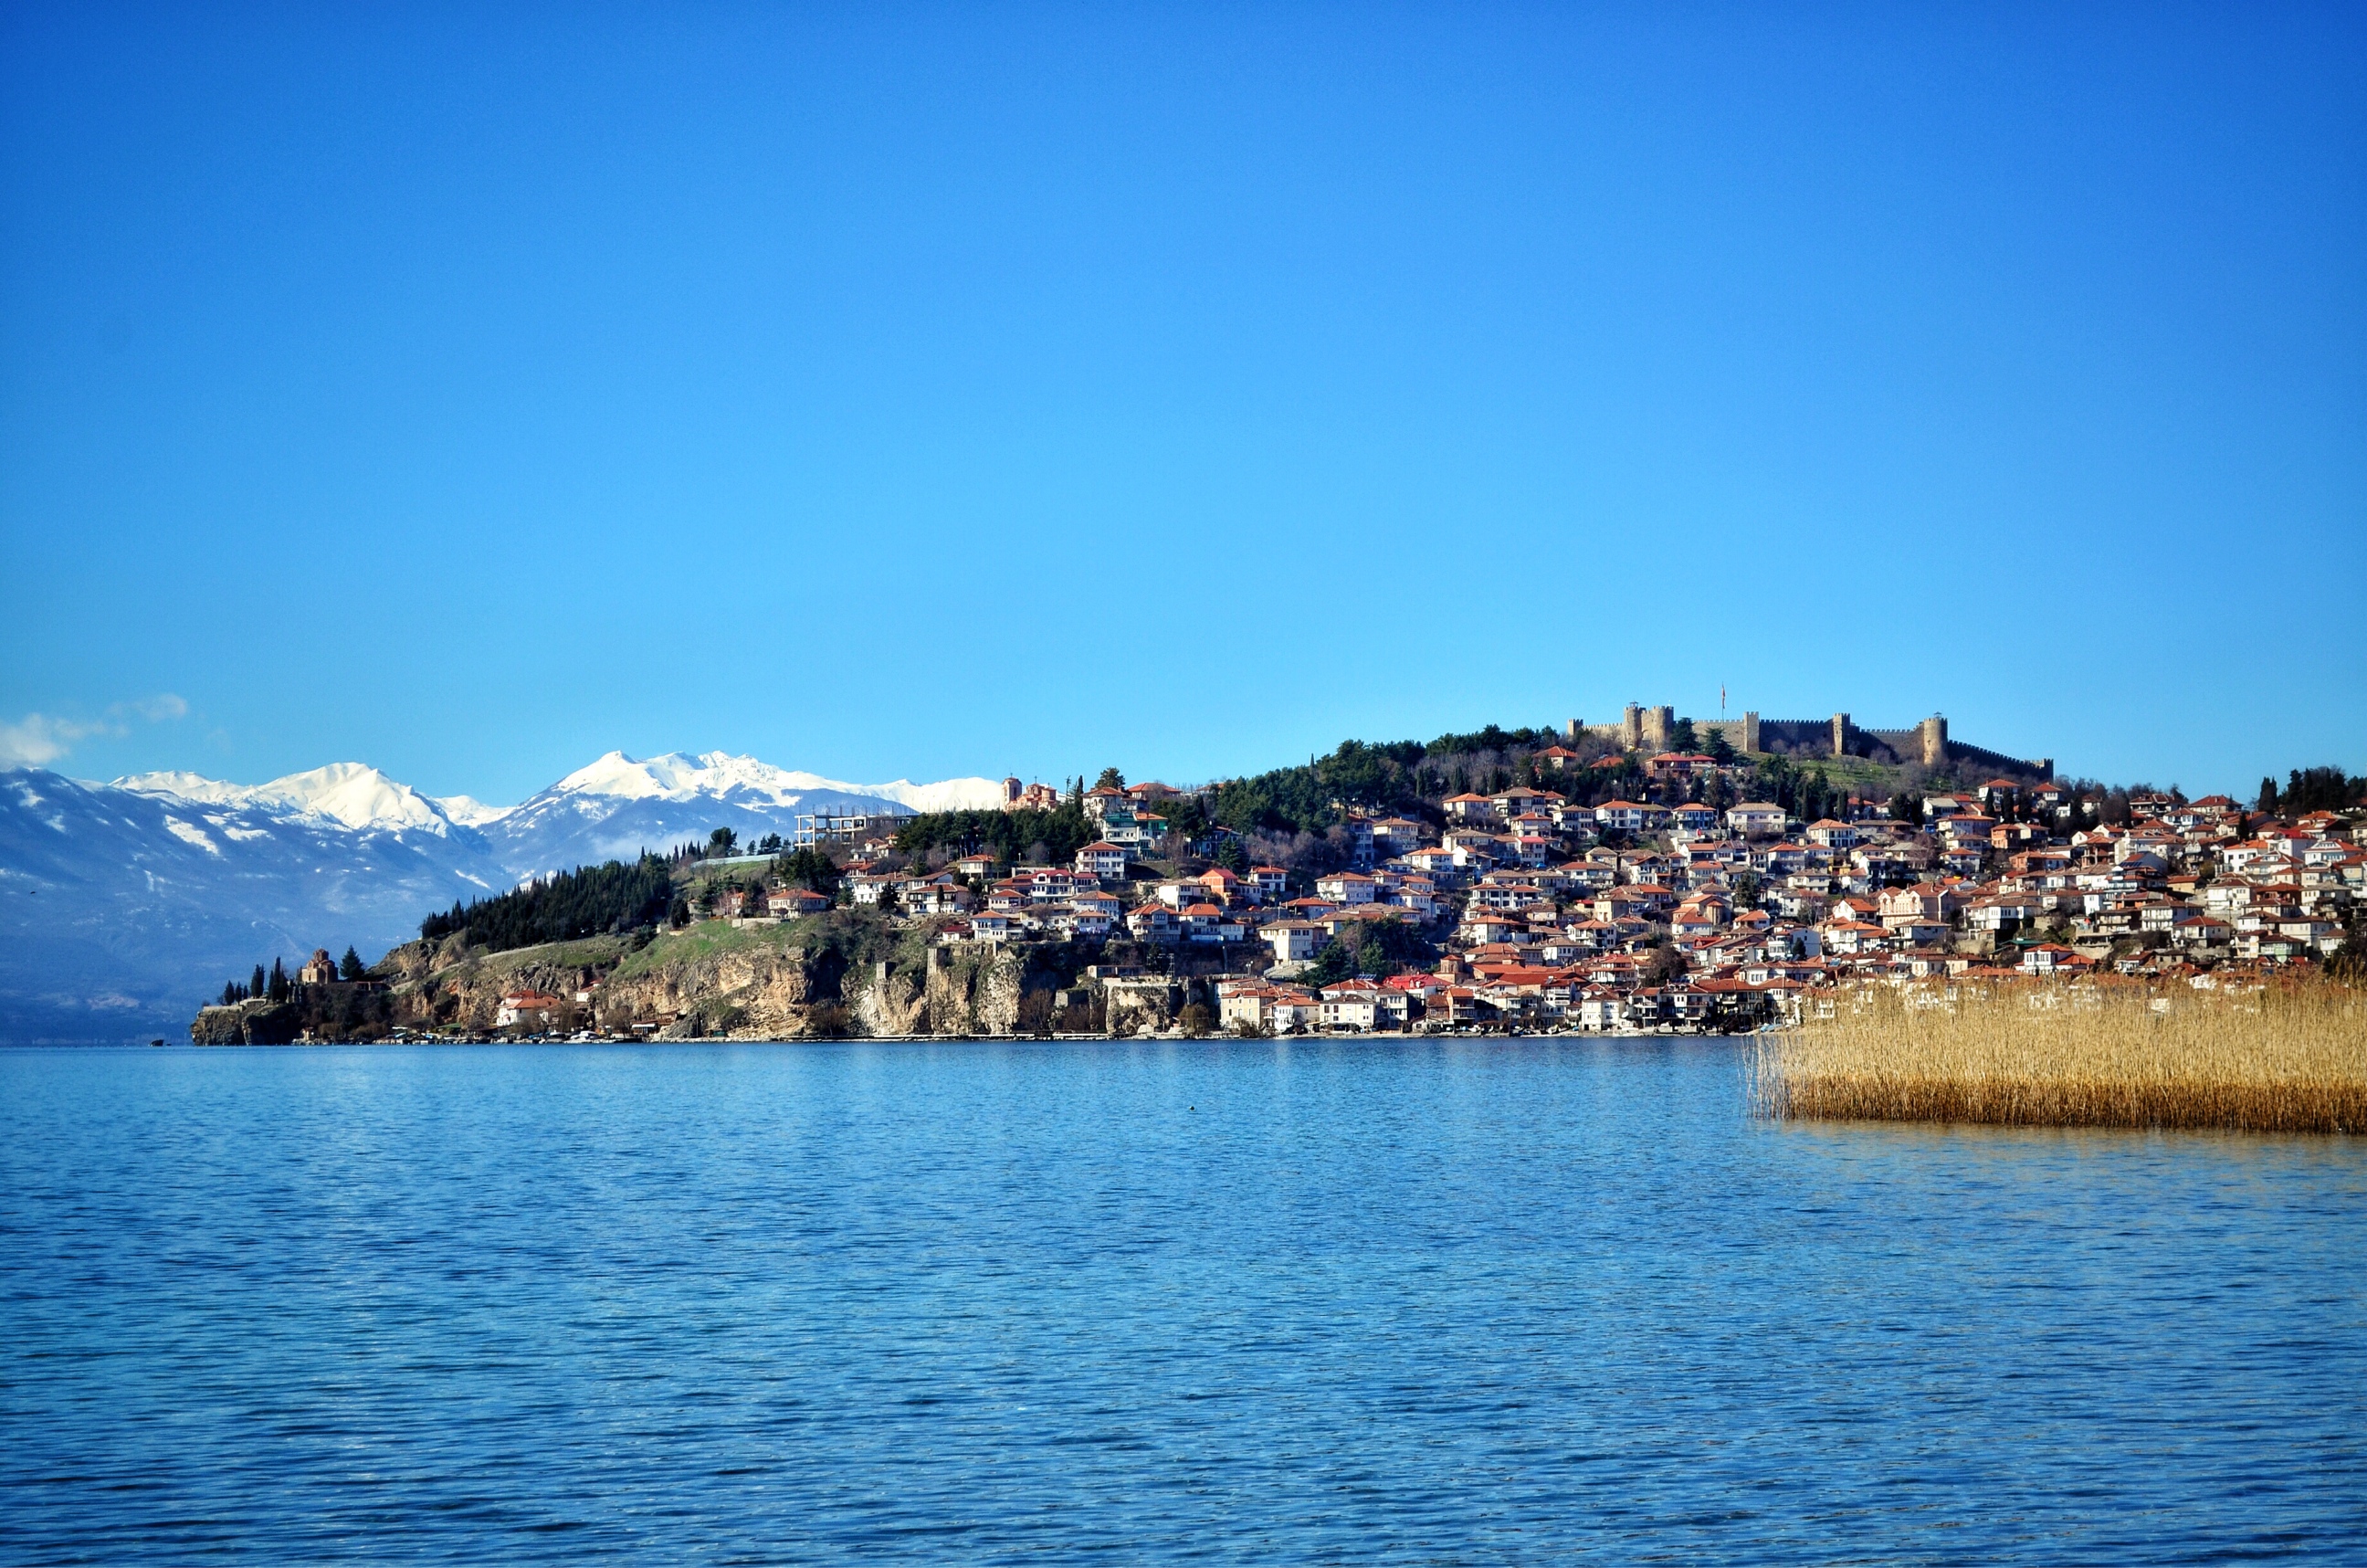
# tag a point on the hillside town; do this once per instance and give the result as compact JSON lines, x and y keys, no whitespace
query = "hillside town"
{"x":1651,"y":874}
{"x":1526,"y":908}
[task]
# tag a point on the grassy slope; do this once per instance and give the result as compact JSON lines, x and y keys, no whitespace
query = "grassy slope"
{"x":860,"y":938}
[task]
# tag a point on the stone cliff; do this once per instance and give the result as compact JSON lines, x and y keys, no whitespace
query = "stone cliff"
{"x":848,"y":971}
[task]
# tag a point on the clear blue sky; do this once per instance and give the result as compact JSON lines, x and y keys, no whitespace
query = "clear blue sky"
{"x":943,"y":390}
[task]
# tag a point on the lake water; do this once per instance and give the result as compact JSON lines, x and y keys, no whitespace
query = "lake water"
{"x":1543,"y":1302}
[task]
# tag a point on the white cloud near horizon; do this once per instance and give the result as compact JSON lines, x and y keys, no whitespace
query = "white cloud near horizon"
{"x":36,"y":740}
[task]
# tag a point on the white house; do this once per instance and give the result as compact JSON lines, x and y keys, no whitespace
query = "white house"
{"x":530,"y":1009}
{"x":1622,"y":816}
{"x":1345,"y":888}
{"x":1293,"y":940}
{"x":1104,"y":861}
{"x":1754,"y":817}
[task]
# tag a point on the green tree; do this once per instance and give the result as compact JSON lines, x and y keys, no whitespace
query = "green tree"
{"x":258,"y":984}
{"x":1333,"y":964}
{"x":720,"y":842}
{"x":1186,"y":818}
{"x":350,"y":967}
{"x":1680,"y":736}
{"x":1720,"y":749}
{"x":2322,"y":790}
{"x":809,"y":868}
{"x":1111,"y":778}
{"x":592,"y":898}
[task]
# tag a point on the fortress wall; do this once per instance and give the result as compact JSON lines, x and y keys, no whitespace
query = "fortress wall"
{"x":1981,"y":757}
{"x":1928,"y":741}
{"x":1906,"y":743}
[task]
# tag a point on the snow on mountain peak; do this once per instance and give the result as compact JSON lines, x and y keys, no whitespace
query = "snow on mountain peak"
{"x":470,"y":812}
{"x":359,"y":796}
{"x":715,"y":774}
{"x":353,"y":794}
{"x":613,"y":774}
{"x":362,"y":798}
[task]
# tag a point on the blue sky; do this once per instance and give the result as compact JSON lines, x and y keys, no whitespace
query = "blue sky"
{"x":931,"y":391}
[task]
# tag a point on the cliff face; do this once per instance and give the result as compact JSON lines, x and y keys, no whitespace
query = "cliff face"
{"x":975,"y":994}
{"x":843,"y":972}
{"x":752,"y":992}
{"x":248,"y":1023}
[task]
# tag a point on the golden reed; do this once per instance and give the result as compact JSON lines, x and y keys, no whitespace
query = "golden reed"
{"x":2285,"y":1058}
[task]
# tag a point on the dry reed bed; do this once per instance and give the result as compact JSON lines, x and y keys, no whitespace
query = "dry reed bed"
{"x":2281,"y":1059}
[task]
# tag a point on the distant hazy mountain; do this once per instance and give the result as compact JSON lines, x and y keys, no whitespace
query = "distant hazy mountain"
{"x":124,"y":905}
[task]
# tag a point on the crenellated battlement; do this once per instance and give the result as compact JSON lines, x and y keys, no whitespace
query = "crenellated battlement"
{"x":1651,"y":730}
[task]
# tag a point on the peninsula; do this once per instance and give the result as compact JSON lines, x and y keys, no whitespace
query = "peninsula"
{"x":1659,"y":872}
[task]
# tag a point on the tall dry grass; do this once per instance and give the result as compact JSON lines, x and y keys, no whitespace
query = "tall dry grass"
{"x":2280,"y":1059}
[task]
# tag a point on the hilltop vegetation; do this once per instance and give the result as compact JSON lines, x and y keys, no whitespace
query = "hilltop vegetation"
{"x":1411,"y":778}
{"x":1009,"y":836}
{"x":613,"y":898}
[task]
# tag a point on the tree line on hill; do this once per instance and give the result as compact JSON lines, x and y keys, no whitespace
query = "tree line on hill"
{"x":1410,"y":778}
{"x":1415,"y":780}
{"x":588,"y":902}
{"x":1010,"y":836}
{"x":617,"y":898}
{"x":2311,"y":789}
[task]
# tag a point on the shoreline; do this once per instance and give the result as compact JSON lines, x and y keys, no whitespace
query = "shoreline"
{"x":1371,"y":1036}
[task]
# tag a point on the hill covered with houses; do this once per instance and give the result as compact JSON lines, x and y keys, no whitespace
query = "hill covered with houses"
{"x":1521,"y":879}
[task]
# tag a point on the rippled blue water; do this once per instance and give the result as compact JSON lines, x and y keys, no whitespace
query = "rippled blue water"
{"x":1536,"y":1301}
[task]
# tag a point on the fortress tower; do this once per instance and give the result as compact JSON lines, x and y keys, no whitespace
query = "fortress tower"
{"x":1933,"y":735}
{"x":1657,"y":724}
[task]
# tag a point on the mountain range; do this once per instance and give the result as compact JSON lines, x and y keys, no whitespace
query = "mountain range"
{"x":125,"y":904}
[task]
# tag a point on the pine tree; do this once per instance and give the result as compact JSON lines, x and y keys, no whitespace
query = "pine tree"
{"x":279,"y":988}
{"x":255,"y":987}
{"x":350,"y":967}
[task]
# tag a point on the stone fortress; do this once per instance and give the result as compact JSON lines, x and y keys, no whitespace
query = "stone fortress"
{"x":1652,"y":729}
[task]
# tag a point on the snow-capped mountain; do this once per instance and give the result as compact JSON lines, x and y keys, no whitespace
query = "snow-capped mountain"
{"x":122,"y":909}
{"x":470,"y":812}
{"x":353,"y":794}
{"x":619,"y":805}
{"x":124,"y":905}
{"x":722,"y":775}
